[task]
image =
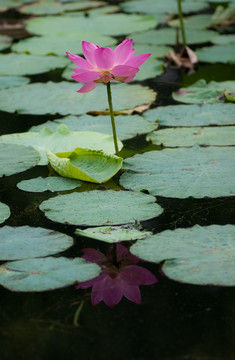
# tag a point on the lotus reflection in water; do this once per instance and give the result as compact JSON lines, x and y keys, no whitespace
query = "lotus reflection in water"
{"x":120,"y":276}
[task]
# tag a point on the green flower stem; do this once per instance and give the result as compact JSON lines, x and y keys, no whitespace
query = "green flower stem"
{"x":112,"y":118}
{"x":181,"y":22}
{"x":77,"y":313}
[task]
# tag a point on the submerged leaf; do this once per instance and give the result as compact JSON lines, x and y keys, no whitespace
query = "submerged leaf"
{"x":85,"y":164}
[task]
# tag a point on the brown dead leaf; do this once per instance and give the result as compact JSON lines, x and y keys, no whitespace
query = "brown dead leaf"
{"x":186,"y":59}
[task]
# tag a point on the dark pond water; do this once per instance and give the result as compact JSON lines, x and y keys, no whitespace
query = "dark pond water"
{"x":175,"y":320}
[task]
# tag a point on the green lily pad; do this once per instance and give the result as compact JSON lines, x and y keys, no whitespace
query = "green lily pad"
{"x":217,"y":54}
{"x":200,"y":92}
{"x":128,"y":126}
{"x":9,"y":81}
{"x":51,"y":183}
{"x":58,"y":44}
{"x":155,"y":51}
{"x":197,"y":255}
{"x":182,"y":172}
{"x":101,"y":208}
{"x":113,"y":234}
{"x":85,"y":164}
{"x":62,"y":98}
{"x":167,"y":36}
{"x":50,"y":8}
{"x":28,"y":242}
{"x":22,"y":64}
{"x":113,"y":24}
{"x":8,"y":4}
{"x":166,"y":6}
{"x":5,"y":212}
{"x":46,"y":274}
{"x":201,"y":21}
{"x":229,"y":96}
{"x":224,"y":39}
{"x":184,"y":136}
{"x":17,"y":158}
{"x":5,"y":42}
{"x":61,"y":140}
{"x":192,"y":115}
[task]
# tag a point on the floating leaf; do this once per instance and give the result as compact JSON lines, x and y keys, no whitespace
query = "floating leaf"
{"x":9,"y":81}
{"x":51,"y":183}
{"x":201,"y":21}
{"x":85,"y":164}
{"x":229,"y":96}
{"x":224,"y":39}
{"x":28,"y":242}
{"x":62,"y":98}
{"x":61,"y":140}
{"x":201,"y":92}
{"x":60,"y":43}
{"x":127,"y":126}
{"x":22,"y":64}
{"x":5,"y":42}
{"x":94,"y":208}
{"x":17,"y":158}
{"x":178,"y":137}
{"x":192,"y":115}
{"x":166,"y":6}
{"x":50,"y":8}
{"x":183,"y":172}
{"x":4,"y":212}
{"x":155,"y":51}
{"x":197,"y":255}
{"x":217,"y":54}
{"x":113,"y":24}
{"x":167,"y":36}
{"x":114,"y":234}
{"x":46,"y":273}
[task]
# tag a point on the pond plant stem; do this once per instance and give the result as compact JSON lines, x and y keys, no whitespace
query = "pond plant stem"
{"x":181,"y":23}
{"x":77,"y":313}
{"x":112,"y":118}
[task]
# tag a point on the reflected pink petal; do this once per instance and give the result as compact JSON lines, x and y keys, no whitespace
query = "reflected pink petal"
{"x":137,"y":275}
{"x":124,"y":254}
{"x":132,"y":293}
{"x":93,"y":255}
{"x":78,"y":60}
{"x":88,"y":50}
{"x":104,"y":58}
{"x":87,"y":87}
{"x":123,"y":51}
{"x":137,"y":60}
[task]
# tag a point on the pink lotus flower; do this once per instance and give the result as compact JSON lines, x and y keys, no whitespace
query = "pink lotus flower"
{"x":117,"y":279}
{"x":104,"y":64}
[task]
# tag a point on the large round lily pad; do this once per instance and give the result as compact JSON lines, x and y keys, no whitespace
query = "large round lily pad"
{"x":58,"y":44}
{"x":5,"y":42}
{"x":127,"y":126}
{"x":94,"y":208}
{"x":167,"y":36}
{"x":62,"y":140}
{"x":197,"y":255}
{"x":184,"y":136}
{"x":166,"y":6}
{"x":4,"y":212}
{"x":113,"y":24}
{"x":217,"y":54}
{"x":22,"y":64}
{"x":192,"y":115}
{"x":46,"y":273}
{"x":224,"y":39}
{"x":62,"y":98}
{"x":201,"y":92}
{"x":17,"y":158}
{"x":182,"y":172}
{"x":113,"y":234}
{"x":51,"y":183}
{"x":28,"y":242}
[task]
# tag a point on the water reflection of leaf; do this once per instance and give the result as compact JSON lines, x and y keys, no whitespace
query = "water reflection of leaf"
{"x":120,"y":277}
